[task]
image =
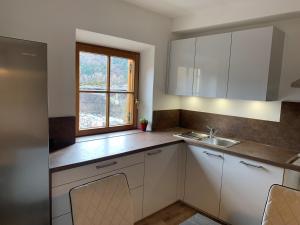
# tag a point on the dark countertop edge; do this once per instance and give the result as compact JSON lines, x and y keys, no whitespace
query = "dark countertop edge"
{"x":83,"y":163}
{"x":285,"y":165}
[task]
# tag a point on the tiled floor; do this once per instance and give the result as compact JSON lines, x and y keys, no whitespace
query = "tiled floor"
{"x":172,"y":215}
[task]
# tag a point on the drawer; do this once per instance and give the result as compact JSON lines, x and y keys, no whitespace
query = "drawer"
{"x":60,"y":194}
{"x":78,"y":173}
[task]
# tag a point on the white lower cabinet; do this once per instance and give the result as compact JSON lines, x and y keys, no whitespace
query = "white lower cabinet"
{"x":161,"y":177}
{"x":291,"y":179}
{"x":134,"y":171}
{"x":65,"y":219}
{"x":137,"y":198}
{"x":203,"y":179}
{"x":224,"y":186}
{"x":245,"y":187}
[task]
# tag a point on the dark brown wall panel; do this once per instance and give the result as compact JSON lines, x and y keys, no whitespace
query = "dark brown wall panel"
{"x":61,"y":132}
{"x":164,"y":119}
{"x":285,"y":133}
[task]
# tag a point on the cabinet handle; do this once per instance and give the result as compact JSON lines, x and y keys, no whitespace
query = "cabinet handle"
{"x":210,"y":154}
{"x":252,"y":165}
{"x":154,"y":152}
{"x":106,"y":165}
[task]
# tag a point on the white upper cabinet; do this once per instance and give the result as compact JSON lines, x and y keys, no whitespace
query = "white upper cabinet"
{"x":240,"y":65}
{"x":255,"y":64}
{"x":212,"y":65}
{"x":181,"y":67}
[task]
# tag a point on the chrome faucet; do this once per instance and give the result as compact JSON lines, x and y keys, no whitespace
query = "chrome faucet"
{"x":212,"y":132}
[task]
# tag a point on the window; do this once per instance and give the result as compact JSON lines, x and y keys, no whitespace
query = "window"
{"x":106,"y":89}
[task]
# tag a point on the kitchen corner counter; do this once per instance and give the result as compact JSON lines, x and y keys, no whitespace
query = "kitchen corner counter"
{"x":269,"y":154}
{"x":103,"y":147}
{"x":255,"y":151}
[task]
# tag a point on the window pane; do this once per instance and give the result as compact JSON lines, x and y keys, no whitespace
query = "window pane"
{"x":92,"y":110}
{"x":93,"y":71}
{"x":121,"y":109}
{"x":121,"y":74}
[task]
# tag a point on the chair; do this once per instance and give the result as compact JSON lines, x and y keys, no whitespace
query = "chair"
{"x":282,"y":207}
{"x":103,"y":202}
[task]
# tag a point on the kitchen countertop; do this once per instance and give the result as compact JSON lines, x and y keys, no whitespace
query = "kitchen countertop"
{"x":97,"y":148}
{"x":102,"y":147}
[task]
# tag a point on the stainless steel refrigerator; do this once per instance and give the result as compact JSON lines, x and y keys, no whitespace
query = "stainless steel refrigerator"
{"x":24,"y":167}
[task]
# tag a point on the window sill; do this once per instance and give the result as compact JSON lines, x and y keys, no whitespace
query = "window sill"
{"x":106,"y":135}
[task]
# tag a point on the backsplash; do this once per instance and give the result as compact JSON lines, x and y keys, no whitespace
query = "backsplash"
{"x":61,"y":132}
{"x":285,"y":133}
{"x":164,"y":119}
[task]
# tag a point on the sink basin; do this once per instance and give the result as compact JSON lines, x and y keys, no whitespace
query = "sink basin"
{"x":295,"y":160}
{"x":222,"y":142}
{"x":192,"y":135}
{"x":203,"y":138}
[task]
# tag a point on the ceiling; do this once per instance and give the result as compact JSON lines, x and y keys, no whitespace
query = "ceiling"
{"x":196,"y":15}
{"x":178,"y":8}
{"x":181,"y":8}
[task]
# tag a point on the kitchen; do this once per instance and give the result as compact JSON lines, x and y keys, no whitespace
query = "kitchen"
{"x":235,"y":73}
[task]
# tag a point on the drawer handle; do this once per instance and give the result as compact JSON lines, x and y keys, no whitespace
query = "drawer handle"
{"x":154,"y":152}
{"x":251,"y":165}
{"x":210,"y":154}
{"x":106,"y":165}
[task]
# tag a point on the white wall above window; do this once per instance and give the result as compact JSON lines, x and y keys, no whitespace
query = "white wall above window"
{"x":55,"y":23}
{"x":110,"y":41}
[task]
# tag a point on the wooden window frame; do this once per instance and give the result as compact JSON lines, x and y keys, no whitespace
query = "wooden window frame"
{"x":109,"y":52}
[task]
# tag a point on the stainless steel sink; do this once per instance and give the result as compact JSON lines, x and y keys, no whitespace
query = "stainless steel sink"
{"x":222,"y":142}
{"x":192,"y":135}
{"x":204,"y":138}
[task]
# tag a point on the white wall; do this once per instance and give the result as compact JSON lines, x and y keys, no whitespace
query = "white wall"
{"x":146,"y":83}
{"x":233,"y":12}
{"x":249,"y":109}
{"x":55,"y":22}
{"x":291,"y":56}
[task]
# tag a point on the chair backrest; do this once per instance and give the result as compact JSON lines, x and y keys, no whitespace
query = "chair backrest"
{"x":282,"y":207}
{"x":103,"y":202}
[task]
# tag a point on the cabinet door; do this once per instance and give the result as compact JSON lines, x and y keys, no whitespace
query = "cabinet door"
{"x":65,"y":219}
{"x":160,"y":182}
{"x":291,"y":179}
{"x":181,"y":67}
{"x":249,"y":64}
{"x":203,"y":179}
{"x":137,"y":198}
{"x":212,"y":65}
{"x":245,"y":187}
